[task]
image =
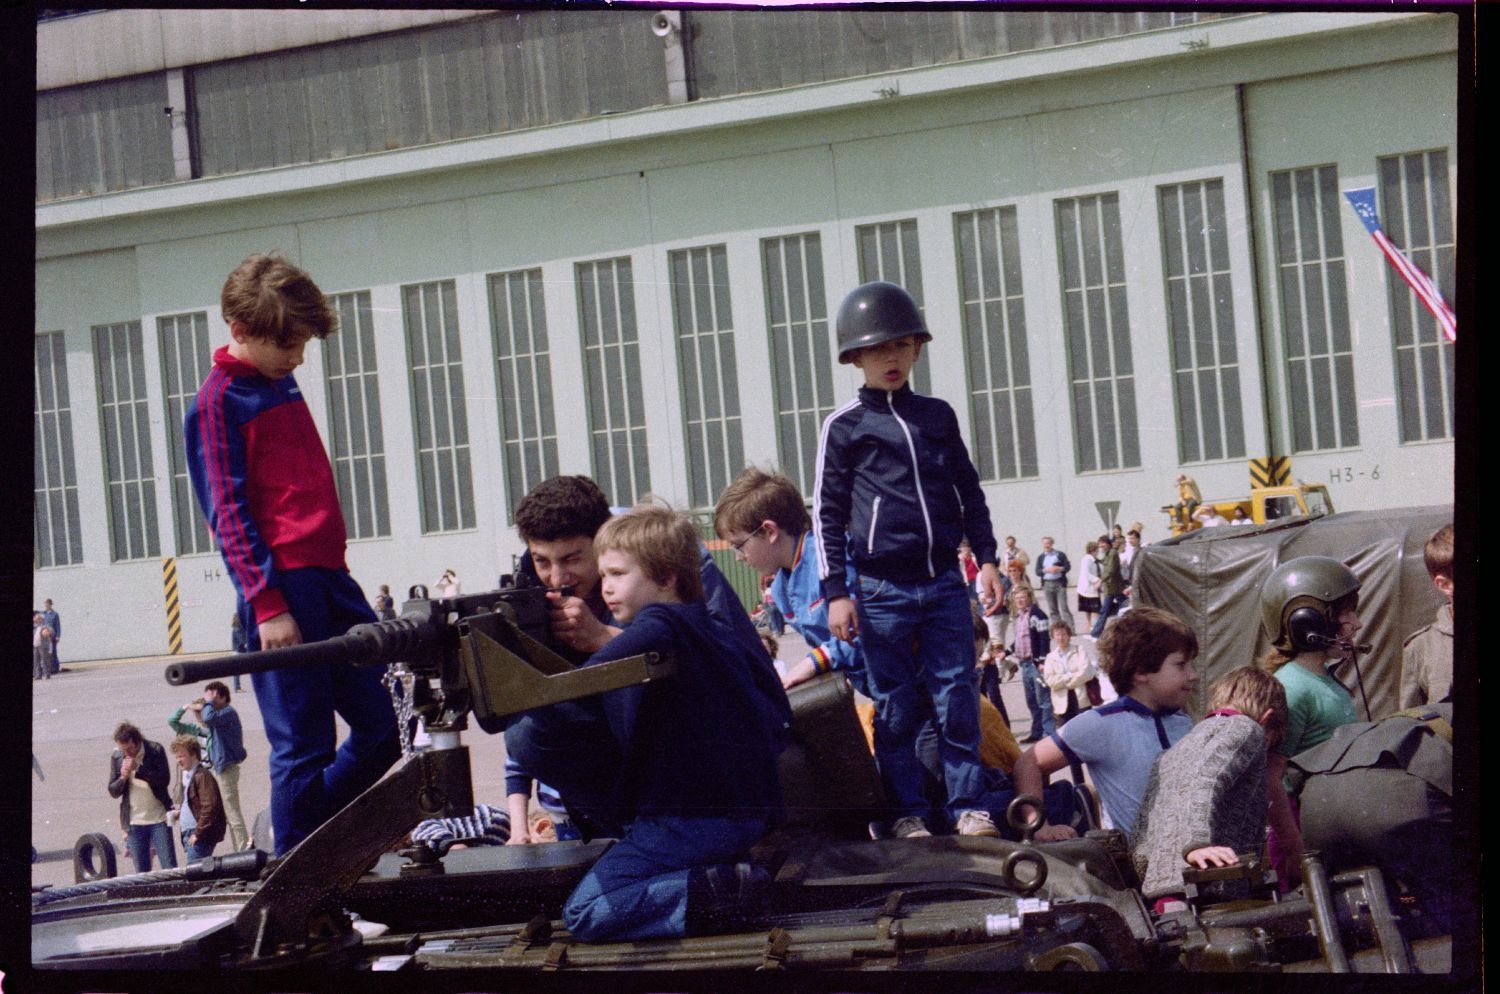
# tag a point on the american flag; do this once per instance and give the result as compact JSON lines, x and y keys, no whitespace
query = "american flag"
{"x":1363,"y":202}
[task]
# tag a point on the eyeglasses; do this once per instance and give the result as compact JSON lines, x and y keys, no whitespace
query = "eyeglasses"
{"x":739,"y":547}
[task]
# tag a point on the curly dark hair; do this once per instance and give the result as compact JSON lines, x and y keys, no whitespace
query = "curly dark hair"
{"x":1139,"y":642}
{"x":562,"y":507}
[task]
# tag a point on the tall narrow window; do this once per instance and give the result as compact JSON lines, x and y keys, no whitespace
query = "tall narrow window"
{"x":59,"y":538}
{"x":1200,"y":305}
{"x":994,"y":323}
{"x":706,"y":358}
{"x":1415,"y":212}
{"x":1314,"y":309}
{"x":440,"y":423}
{"x":125,"y":429}
{"x":888,"y":251}
{"x":801,"y":358}
{"x":355,"y":440}
{"x":612,"y":362}
{"x":186,"y":358}
{"x":1101,"y":371}
{"x":523,"y":367}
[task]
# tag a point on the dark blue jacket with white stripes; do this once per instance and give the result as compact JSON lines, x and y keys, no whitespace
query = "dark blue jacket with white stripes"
{"x":894,"y":475}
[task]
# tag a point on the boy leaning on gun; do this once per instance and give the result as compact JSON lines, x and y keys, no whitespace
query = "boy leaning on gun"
{"x":690,"y":760}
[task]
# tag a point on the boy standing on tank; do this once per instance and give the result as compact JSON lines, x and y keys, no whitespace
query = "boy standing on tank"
{"x":896,"y":488}
{"x":266,"y":487}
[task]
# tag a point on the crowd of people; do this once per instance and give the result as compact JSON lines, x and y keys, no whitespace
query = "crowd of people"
{"x":201,"y":795}
{"x":894,"y":579}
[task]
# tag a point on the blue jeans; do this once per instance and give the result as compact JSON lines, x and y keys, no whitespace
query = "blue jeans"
{"x":1038,"y":700}
{"x":918,"y":641}
{"x":310,"y":781}
{"x":570,"y":747}
{"x":1109,"y":606}
{"x":639,"y":888}
{"x":192,"y":852}
{"x":143,"y":838}
{"x":989,"y":686}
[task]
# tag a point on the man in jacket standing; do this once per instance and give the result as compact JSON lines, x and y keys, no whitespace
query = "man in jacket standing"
{"x":138,"y":776}
{"x":1052,"y":569}
{"x":195,"y":798}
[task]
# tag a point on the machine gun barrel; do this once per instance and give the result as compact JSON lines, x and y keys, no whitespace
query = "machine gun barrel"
{"x":410,"y":638}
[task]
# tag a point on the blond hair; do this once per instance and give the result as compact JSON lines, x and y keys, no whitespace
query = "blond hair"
{"x":1252,"y":691}
{"x":188,"y":744}
{"x":276,"y":300}
{"x":661,"y":541}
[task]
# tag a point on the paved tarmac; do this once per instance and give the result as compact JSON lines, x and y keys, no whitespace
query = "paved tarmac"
{"x":75,"y":713}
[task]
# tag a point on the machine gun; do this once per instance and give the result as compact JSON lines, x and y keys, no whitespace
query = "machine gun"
{"x":490,"y":654}
{"x":485,"y":654}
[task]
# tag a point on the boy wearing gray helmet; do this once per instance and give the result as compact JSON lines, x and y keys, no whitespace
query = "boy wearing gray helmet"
{"x":897,"y":489}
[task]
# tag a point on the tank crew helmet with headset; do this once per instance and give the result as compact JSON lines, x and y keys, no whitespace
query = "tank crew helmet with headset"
{"x":1301,"y":601}
{"x":877,"y":312}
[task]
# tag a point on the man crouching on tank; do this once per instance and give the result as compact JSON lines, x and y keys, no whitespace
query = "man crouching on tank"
{"x":682,"y":770}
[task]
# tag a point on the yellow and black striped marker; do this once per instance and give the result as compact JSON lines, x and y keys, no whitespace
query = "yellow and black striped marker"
{"x":1270,"y":471}
{"x":174,"y":606}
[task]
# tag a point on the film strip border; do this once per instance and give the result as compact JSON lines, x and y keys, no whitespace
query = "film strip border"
{"x":1271,"y":471}
{"x":174,"y":605}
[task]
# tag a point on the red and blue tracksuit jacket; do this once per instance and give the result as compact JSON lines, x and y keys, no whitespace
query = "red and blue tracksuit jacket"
{"x":263,"y":479}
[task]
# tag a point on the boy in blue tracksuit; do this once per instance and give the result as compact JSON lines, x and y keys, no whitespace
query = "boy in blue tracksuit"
{"x":688,"y":767}
{"x":896,"y":489}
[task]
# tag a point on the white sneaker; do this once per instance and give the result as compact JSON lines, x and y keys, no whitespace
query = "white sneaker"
{"x":977,"y":823}
{"x":910,"y":827}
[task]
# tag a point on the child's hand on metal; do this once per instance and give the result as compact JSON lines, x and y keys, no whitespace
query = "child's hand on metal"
{"x":1213,"y":856}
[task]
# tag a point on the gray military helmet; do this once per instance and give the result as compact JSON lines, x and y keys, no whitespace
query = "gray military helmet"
{"x":877,"y":312}
{"x":1297,"y":600}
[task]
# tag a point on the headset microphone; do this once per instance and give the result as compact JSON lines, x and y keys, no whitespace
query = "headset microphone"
{"x":1325,"y":642}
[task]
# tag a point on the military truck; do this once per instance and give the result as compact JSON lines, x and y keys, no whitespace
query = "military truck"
{"x":1210,"y":578}
{"x":355,"y":895}
{"x":1263,"y":506}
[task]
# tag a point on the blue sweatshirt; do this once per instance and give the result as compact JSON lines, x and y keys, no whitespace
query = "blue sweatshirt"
{"x":725,"y":608}
{"x":702,"y":742}
{"x":895,"y":477}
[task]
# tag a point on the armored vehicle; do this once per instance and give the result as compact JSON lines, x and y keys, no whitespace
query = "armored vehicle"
{"x":356,"y":895}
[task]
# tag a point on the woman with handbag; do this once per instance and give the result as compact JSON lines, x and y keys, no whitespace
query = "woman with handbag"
{"x":1071,"y":673}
